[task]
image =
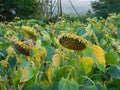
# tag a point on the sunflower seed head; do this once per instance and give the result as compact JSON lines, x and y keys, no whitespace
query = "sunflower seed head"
{"x":72,"y":41}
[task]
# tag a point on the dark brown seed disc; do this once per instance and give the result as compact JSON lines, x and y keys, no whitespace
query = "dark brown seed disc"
{"x":72,"y":43}
{"x":22,"y":50}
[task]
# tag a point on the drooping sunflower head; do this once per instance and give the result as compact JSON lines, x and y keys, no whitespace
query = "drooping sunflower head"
{"x":72,"y":41}
{"x":29,"y":32}
{"x":20,"y":46}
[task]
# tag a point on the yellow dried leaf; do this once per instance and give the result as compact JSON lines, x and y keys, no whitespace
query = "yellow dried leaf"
{"x":4,"y":63}
{"x":10,"y":51}
{"x":19,"y":59}
{"x":50,"y":73}
{"x":66,"y":56}
{"x":99,"y":54}
{"x":16,"y":28}
{"x":25,"y":75}
{"x":56,"y":59}
{"x":26,"y":27}
{"x":42,"y":52}
{"x":57,"y":51}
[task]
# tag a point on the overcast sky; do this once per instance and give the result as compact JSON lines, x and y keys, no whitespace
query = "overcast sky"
{"x":82,"y":6}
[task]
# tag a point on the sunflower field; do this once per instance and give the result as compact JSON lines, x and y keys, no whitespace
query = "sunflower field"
{"x":60,"y":56}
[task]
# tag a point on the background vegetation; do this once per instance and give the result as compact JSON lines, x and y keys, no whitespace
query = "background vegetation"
{"x":58,"y":53}
{"x":35,"y":8}
{"x":102,"y":8}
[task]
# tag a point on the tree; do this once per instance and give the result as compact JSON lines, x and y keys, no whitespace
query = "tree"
{"x":104,"y":7}
{"x":11,"y":8}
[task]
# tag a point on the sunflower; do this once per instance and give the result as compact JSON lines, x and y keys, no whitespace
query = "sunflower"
{"x":21,"y":46}
{"x":29,"y":32}
{"x":72,"y":41}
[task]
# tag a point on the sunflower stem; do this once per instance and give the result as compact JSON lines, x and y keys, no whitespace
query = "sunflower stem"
{"x":77,"y":63}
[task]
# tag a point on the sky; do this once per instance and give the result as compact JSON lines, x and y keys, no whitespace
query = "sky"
{"x":82,"y":6}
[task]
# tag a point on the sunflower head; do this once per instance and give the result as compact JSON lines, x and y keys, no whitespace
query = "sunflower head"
{"x":29,"y":32}
{"x":20,"y":46}
{"x":72,"y":41}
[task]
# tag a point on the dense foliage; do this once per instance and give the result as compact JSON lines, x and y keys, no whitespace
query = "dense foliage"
{"x":102,"y":8}
{"x":39,"y":56}
{"x":11,"y":8}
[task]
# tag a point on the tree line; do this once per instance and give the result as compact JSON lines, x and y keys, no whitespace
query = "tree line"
{"x":33,"y":8}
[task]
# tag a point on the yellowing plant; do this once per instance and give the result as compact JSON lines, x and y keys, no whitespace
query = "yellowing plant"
{"x":99,"y":54}
{"x":87,"y":63}
{"x":56,"y":58}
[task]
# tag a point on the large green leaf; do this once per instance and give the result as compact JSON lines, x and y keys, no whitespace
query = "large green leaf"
{"x":16,"y":80}
{"x":88,"y":84}
{"x":54,"y":86}
{"x":114,"y":71}
{"x":66,"y":84}
{"x":92,"y":87}
{"x":99,"y":86}
{"x":87,"y":63}
{"x":34,"y":87}
{"x":1,"y":70}
{"x":80,"y":31}
{"x":113,"y":85}
{"x":99,"y":61}
{"x":112,"y":57}
{"x":45,"y":35}
{"x":3,"y":54}
{"x":72,"y":62}
{"x":1,"y":31}
{"x":27,"y":74}
{"x":25,"y":63}
{"x":12,"y":61}
{"x":50,"y":52}
{"x":118,"y":33}
{"x":63,"y":72}
{"x":88,"y":53}
{"x":29,"y":84}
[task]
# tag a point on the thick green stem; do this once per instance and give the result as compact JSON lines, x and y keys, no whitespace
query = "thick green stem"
{"x":77,"y":63}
